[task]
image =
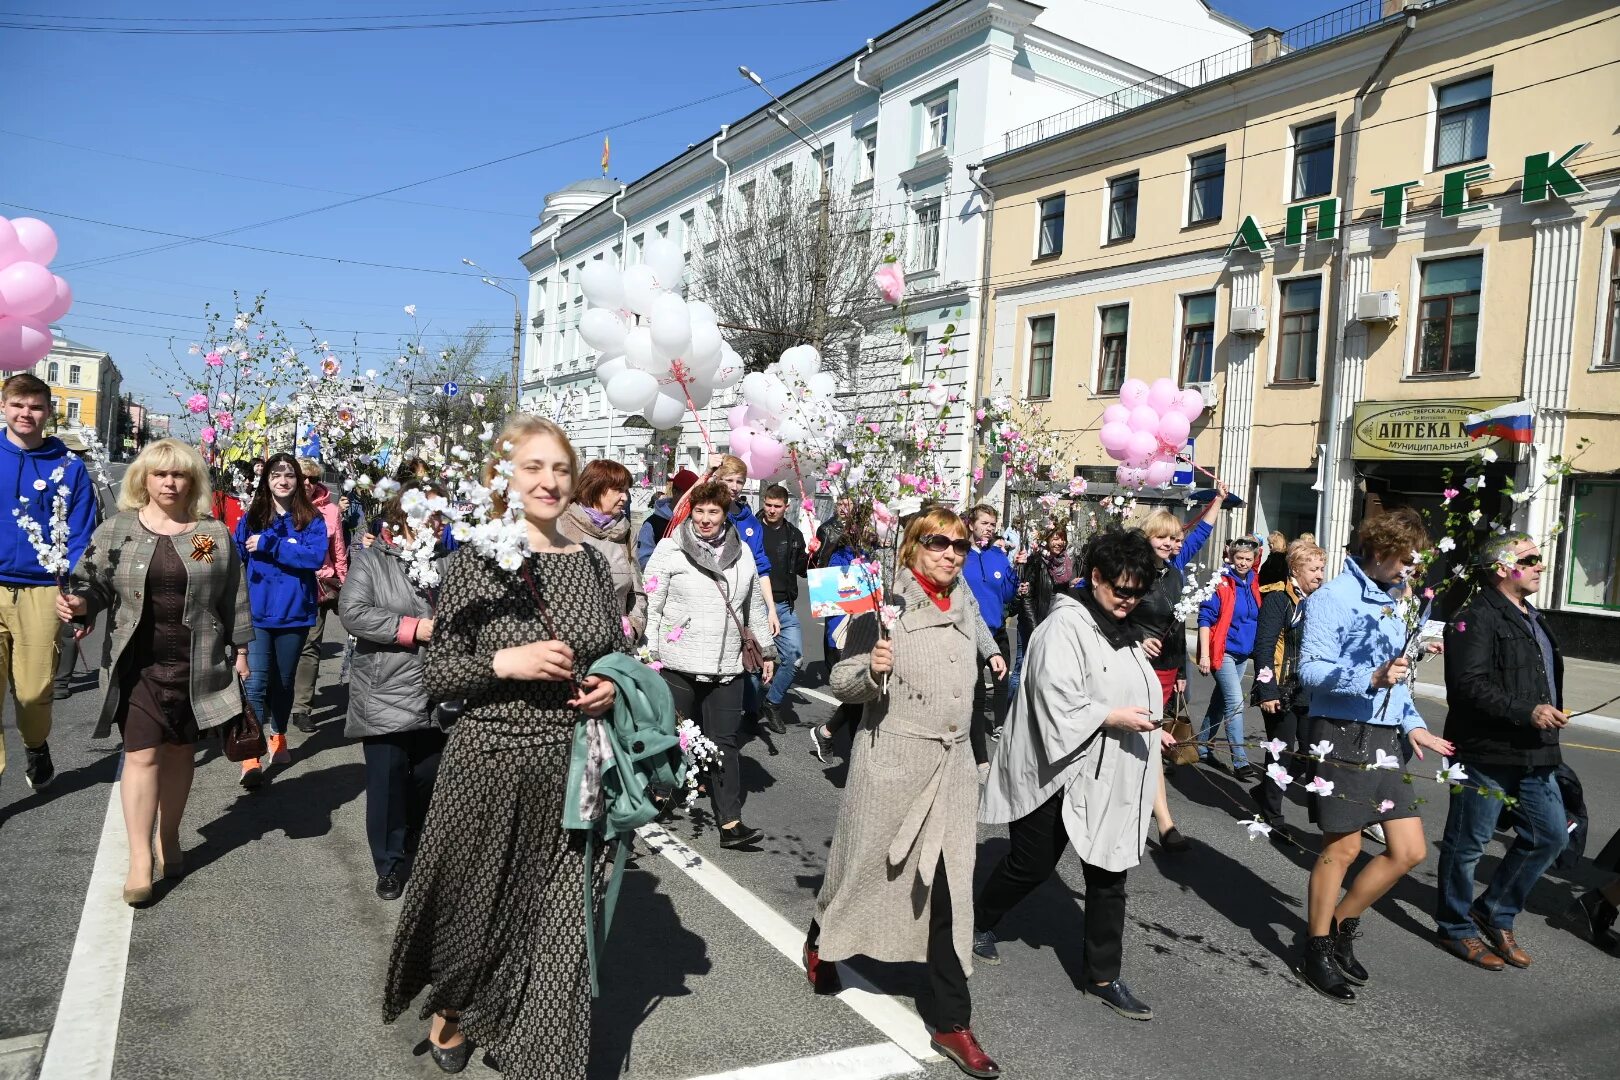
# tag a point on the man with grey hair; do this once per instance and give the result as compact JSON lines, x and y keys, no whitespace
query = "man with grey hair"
{"x":1504,"y":686}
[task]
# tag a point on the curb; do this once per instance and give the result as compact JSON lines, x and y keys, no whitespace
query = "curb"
{"x":1592,"y":722}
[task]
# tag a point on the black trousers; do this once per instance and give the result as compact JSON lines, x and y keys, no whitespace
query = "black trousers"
{"x":953,"y":1006}
{"x":847,"y":715}
{"x":400,"y":769}
{"x":990,"y":705}
{"x":1038,"y":840}
{"x":717,"y":708}
{"x":1290,"y":726}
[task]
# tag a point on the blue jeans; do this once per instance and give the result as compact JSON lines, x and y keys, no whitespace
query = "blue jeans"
{"x":1542,"y":832}
{"x":789,"y":647}
{"x":272,"y":667}
{"x":1228,"y":695}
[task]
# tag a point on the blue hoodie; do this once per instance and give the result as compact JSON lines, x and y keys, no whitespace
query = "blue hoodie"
{"x":19,"y":469}
{"x":281,"y":574}
{"x":989,"y":573}
{"x":752,"y":533}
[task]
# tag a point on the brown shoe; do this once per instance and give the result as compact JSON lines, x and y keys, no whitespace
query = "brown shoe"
{"x":1503,"y":943}
{"x":960,"y":1046}
{"x":1473,"y":950}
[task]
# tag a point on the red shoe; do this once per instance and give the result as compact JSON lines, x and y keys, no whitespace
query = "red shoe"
{"x":823,"y":974}
{"x":279,"y":755}
{"x":960,"y":1046}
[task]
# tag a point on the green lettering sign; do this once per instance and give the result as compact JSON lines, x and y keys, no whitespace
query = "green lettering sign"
{"x":1250,"y":237}
{"x":1544,"y":178}
{"x":1394,"y":214}
{"x":1454,"y":199}
{"x":1327,"y":221}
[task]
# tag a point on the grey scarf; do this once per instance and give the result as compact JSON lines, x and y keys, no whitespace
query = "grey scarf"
{"x":710,"y":558}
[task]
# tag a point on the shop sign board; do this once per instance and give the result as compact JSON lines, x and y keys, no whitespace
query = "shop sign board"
{"x":1420,"y":430}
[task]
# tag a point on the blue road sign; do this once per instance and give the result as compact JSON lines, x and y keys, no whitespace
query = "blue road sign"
{"x":450,"y":389}
{"x":1184,"y":473}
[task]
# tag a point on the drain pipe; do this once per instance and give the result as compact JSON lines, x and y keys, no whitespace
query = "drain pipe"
{"x":714,"y":152}
{"x":870,"y":49}
{"x":977,"y":362}
{"x":624,"y":224}
{"x":1341,"y":280}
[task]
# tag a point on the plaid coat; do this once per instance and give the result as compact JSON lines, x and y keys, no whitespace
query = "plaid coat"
{"x":111,"y":576}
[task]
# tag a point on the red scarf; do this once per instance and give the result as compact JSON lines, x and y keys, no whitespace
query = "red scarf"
{"x":940,"y":597}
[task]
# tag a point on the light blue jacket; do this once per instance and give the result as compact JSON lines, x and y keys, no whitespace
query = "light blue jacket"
{"x":1347,"y":637}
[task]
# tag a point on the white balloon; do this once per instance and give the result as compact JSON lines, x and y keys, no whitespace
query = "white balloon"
{"x":671,"y":325}
{"x":730,"y":371}
{"x":754,"y":388}
{"x":776,"y":396}
{"x":706,"y":341}
{"x":703,"y":368}
{"x":602,"y":284}
{"x":701,"y":393}
{"x":664,"y":411}
{"x":667,"y":262}
{"x":790,"y":431}
{"x":640,"y":289}
{"x":631,"y":391}
{"x":638,"y":349}
{"x":823,"y":384}
{"x":609,"y":367}
{"x":701,"y":312}
{"x":603,"y":330}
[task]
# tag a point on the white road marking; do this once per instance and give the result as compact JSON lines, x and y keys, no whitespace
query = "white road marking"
{"x":818,"y":695}
{"x":897,"y":1023}
{"x":858,"y":1063}
{"x":84,"y":1038}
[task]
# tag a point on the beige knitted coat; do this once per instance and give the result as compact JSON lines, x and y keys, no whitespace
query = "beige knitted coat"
{"x":913,"y":793}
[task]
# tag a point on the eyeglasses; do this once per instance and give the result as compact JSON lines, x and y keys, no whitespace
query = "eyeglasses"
{"x":936,"y":543}
{"x":1530,"y":560}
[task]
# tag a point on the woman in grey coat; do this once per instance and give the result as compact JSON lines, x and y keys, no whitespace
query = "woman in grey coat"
{"x":391,"y":618}
{"x":599,"y":516}
{"x":901,"y":867}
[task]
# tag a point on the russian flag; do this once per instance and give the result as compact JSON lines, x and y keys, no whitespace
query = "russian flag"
{"x":1515,"y":422}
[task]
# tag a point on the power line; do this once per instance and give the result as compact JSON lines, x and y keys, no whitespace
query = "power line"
{"x":329,"y":18}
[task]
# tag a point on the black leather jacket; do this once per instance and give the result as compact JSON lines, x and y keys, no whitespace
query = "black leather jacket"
{"x":1495,"y":678}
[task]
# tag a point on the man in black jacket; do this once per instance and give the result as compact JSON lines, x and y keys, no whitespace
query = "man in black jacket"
{"x":784,"y":546}
{"x":1504,"y":685}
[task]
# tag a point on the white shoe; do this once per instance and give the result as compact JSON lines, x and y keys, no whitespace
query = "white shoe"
{"x":1375,"y":831}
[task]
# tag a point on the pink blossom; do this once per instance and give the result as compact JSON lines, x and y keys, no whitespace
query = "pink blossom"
{"x":208,"y":434}
{"x":978,"y":414}
{"x":197,"y":403}
{"x":657,"y":665}
{"x":1461,"y":626}
{"x":978,"y":473}
{"x":213,"y":359}
{"x":834,"y":468}
{"x":624,"y":624}
{"x":225,"y":421}
{"x":1386,"y":806}
{"x":1428,"y":594}
{"x":243,"y":355}
{"x":676,"y":634}
{"x":891,"y":281}
{"x":873,"y":428}
{"x":807,"y":504}
{"x":685,"y":734}
{"x":1450,"y":493}
{"x":650,"y":586}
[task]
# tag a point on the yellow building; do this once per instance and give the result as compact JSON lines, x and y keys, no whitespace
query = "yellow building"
{"x":1349,"y":235}
{"x":85,"y":386}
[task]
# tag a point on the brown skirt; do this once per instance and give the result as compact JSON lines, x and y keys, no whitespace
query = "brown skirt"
{"x":155,"y":713}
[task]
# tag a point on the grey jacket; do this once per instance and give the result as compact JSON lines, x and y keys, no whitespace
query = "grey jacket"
{"x":690,"y":584}
{"x":381,"y":606}
{"x":614,"y":543}
{"x":111,"y":576}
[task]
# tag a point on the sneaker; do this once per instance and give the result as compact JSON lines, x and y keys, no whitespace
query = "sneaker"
{"x":39,"y":771}
{"x":1117,"y":996}
{"x":279,"y":754}
{"x":1375,"y":831}
{"x":303,"y":722}
{"x":984,"y":946}
{"x":820,"y":744}
{"x":772,"y":718}
{"x":252,"y":774}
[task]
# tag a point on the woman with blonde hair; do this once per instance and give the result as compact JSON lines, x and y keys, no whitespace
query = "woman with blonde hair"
{"x":1274,"y":569}
{"x":493,"y":921}
{"x":177,"y":637}
{"x":734,"y":474}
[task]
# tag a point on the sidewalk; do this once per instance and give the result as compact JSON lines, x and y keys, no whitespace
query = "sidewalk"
{"x":1587,"y":684}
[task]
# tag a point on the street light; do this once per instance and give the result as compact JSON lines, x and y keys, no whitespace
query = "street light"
{"x":517,"y":330}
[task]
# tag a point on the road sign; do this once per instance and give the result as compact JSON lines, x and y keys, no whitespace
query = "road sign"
{"x":450,"y":389}
{"x":1184,"y":472}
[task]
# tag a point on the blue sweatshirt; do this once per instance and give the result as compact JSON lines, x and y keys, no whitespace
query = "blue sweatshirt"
{"x":19,"y":470}
{"x":752,"y":533}
{"x":989,"y":573}
{"x":1350,"y":632}
{"x":1245,"y":613}
{"x":1192,"y":544}
{"x":281,"y":574}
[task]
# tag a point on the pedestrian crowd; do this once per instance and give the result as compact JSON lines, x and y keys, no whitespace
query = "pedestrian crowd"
{"x":1004,"y":680}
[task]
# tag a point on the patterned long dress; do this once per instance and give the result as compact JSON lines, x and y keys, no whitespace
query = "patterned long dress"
{"x":494,"y":918}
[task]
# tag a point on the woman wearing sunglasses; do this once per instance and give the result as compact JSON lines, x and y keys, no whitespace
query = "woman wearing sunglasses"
{"x":906,"y":838}
{"x":1079,"y":760}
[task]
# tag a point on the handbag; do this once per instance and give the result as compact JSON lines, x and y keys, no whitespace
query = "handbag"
{"x":753,"y":657}
{"x":1186,"y":751}
{"x":243,"y":737}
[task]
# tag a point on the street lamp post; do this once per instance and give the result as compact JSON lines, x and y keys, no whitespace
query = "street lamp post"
{"x":517,"y":332}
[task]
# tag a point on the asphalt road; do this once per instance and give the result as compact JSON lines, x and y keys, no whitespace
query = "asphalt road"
{"x":267,"y":959}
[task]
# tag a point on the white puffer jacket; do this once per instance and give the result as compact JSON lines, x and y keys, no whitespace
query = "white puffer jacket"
{"x":688,"y":629}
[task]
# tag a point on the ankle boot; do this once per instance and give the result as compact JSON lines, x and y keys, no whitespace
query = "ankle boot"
{"x":1321,"y":973}
{"x":1344,"y":950}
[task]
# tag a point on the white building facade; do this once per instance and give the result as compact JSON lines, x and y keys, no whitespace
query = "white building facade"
{"x":904,"y":121}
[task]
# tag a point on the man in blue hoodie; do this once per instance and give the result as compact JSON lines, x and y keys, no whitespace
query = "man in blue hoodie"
{"x":35,"y":470}
{"x":989,"y":573}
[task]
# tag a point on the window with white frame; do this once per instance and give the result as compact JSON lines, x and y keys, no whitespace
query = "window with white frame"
{"x":869,"y":141}
{"x":915,"y":365}
{"x":1206,"y":186}
{"x":717,"y":207}
{"x":1594,"y":546}
{"x":1122,"y":207}
{"x":638,"y":247}
{"x":824,"y":167}
{"x":1301,"y":304}
{"x":73,"y":408}
{"x":926,"y":250}
{"x":1050,"y":239}
{"x":783,"y":193}
{"x":745,"y":193}
{"x":1448,"y":315}
{"x":53,"y":372}
{"x":1611,"y":337}
{"x":1462,"y":121}
{"x":1313,"y":160}
{"x":937,"y":114}
{"x":75,"y":373}
{"x":1041,"y":331}
{"x":1197,"y":338}
{"x":1115,"y":324}
{"x":662,"y":229}
{"x":618,"y":254}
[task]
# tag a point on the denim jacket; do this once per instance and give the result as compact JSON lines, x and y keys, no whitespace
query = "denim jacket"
{"x":1347,"y":637}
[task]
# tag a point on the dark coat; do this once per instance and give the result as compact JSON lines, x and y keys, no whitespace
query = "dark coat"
{"x":784,"y":546}
{"x":1277,"y":635}
{"x":1495,"y":678}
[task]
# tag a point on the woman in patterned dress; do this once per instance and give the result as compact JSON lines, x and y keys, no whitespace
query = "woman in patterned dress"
{"x":494,"y":922}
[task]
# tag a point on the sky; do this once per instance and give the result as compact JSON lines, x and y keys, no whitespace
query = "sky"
{"x":196,"y":134}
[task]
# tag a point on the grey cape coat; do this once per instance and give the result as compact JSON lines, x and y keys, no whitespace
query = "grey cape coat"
{"x":913,"y":788}
{"x":1054,"y":739}
{"x":111,"y":576}
{"x":380,"y":605}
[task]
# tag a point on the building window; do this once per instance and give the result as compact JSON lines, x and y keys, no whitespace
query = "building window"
{"x":688,"y":227}
{"x":1462,"y":122}
{"x":1611,"y":340}
{"x":662,"y":229}
{"x":1313,"y":160}
{"x":1122,"y":208}
{"x":746,"y":192}
{"x":1197,"y":338}
{"x":915,"y":365}
{"x":638,"y":245}
{"x":1041,"y":331}
{"x":1448,"y":326}
{"x":927,"y":250}
{"x":868,"y":140}
{"x":939,"y":123}
{"x":53,"y":372}
{"x":73,"y":409}
{"x":74,"y":374}
{"x":1594,"y":546}
{"x":1116,"y":325}
{"x":824,"y":167}
{"x":1050,"y":241}
{"x":1206,"y":192}
{"x":1301,"y":323}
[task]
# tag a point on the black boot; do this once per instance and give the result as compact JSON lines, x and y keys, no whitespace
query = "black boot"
{"x":1321,"y":973}
{"x":1344,"y":950}
{"x":1595,"y":918}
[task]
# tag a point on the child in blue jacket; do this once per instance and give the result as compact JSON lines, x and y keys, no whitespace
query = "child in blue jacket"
{"x":282,"y":540}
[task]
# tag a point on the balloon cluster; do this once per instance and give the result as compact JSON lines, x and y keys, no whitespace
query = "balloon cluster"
{"x":790,"y":405}
{"x":31,"y":297}
{"x":1147,"y":431}
{"x":657,"y":353}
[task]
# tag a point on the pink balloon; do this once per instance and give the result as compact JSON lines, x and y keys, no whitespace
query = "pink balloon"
{"x":23,"y":342}
{"x":59,"y":306}
{"x":1119,"y":453}
{"x":1144,"y":418}
{"x":37,"y":239}
{"x":1133,"y":393}
{"x":1191,"y":404}
{"x":11,"y":249}
{"x":742,"y":439}
{"x":1142,"y":447}
{"x":766,"y":453}
{"x":1130,"y":477}
{"x":1116,"y":414}
{"x":1114,"y":436}
{"x":737,"y":416}
{"x":1160,"y":473}
{"x":26,"y":288}
{"x":1162,"y":394}
{"x":1174,"y":428}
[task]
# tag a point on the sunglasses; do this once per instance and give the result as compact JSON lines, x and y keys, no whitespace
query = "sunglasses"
{"x":1124,"y":593}
{"x":1530,"y":560}
{"x":936,"y":543}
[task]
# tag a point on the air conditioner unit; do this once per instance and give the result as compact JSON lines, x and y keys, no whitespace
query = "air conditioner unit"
{"x":1248,"y":320}
{"x":1206,"y":390}
{"x":1384,"y":306}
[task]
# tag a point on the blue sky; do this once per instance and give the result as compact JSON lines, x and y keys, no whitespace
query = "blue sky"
{"x":282,"y":124}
